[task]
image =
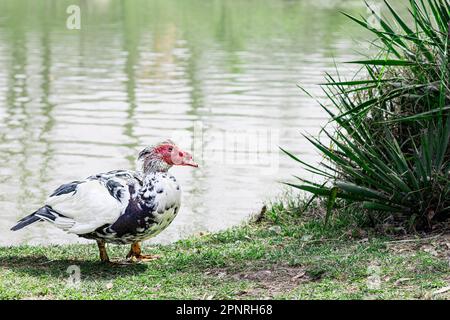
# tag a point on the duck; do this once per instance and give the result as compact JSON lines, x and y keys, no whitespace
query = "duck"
{"x":120,"y":206}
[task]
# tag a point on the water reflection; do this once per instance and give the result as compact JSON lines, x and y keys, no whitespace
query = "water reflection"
{"x":78,"y":102}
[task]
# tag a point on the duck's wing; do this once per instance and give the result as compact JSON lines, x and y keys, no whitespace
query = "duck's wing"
{"x":83,"y":206}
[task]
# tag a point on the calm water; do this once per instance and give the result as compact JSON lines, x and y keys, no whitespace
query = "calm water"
{"x":219,"y":77}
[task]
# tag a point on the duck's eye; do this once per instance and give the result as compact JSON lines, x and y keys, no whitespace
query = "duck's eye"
{"x":143,"y":153}
{"x":170,"y":149}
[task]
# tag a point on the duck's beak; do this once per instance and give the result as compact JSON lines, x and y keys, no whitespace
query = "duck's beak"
{"x":188,"y":161}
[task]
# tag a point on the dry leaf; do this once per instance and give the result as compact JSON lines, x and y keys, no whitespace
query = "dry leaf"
{"x":298,"y":276}
{"x":402,"y":280}
{"x":442,"y":290}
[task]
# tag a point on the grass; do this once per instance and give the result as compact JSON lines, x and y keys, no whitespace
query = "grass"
{"x":282,"y":256}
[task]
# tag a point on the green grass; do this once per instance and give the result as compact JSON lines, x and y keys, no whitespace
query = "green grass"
{"x":283,"y":256}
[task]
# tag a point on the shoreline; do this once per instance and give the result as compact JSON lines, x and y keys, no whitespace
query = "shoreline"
{"x":282,"y":256}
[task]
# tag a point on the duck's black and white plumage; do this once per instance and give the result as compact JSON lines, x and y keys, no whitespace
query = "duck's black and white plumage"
{"x":121,"y":206}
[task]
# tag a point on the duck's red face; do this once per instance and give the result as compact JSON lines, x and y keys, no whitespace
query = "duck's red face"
{"x":174,"y":156}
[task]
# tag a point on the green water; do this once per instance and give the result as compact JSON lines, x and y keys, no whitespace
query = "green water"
{"x":215,"y":76}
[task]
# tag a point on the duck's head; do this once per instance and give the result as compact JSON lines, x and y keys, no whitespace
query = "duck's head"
{"x":162,"y":156}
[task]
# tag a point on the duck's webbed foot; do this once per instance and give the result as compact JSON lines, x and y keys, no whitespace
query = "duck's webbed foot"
{"x":136,"y":255}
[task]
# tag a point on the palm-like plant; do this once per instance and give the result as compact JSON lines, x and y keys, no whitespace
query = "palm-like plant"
{"x":389,"y":146}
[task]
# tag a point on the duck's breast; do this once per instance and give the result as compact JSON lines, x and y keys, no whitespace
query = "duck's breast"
{"x":167,"y":201}
{"x":167,"y":193}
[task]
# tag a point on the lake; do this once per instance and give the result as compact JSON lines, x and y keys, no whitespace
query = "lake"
{"x":218,"y":77}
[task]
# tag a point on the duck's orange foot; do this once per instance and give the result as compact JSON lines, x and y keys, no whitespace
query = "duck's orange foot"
{"x":135,"y":254}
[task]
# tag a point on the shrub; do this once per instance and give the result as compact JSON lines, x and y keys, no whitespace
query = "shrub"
{"x":389,"y":149}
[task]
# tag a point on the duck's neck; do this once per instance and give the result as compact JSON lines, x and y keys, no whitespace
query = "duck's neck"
{"x":153,"y":165}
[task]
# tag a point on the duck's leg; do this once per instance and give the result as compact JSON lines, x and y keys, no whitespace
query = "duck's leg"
{"x":102,"y":248}
{"x":135,"y":253}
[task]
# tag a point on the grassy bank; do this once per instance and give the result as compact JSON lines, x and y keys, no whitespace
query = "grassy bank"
{"x":280,"y":256}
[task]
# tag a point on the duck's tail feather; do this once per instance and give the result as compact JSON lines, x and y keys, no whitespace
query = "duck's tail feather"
{"x":38,"y":215}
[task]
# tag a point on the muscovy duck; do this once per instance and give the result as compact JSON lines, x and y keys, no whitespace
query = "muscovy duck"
{"x":121,"y":206}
